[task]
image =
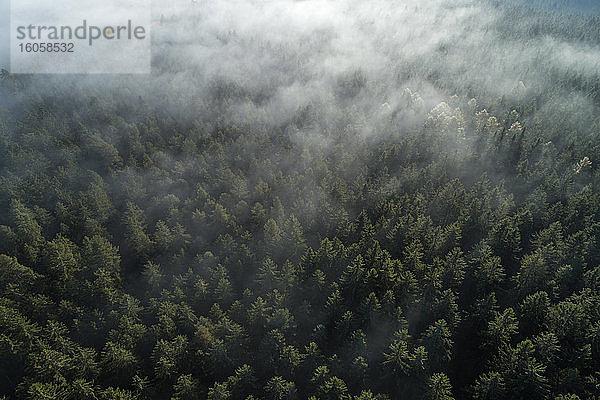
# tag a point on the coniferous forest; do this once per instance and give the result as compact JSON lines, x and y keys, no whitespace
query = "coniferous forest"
{"x":310,"y":200}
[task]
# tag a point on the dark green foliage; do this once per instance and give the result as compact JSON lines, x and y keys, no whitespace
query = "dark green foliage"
{"x":184,"y":252}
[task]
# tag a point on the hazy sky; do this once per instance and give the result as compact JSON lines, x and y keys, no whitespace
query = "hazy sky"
{"x":4,"y":33}
{"x":285,"y":55}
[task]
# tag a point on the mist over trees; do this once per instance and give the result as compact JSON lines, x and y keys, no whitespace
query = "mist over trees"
{"x":310,"y":200}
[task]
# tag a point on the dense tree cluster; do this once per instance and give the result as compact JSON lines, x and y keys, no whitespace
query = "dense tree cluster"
{"x":144,"y":256}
